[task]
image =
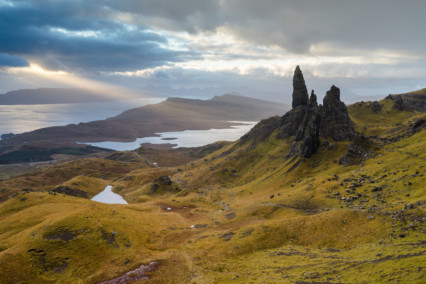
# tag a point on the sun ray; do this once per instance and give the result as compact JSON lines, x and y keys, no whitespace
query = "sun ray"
{"x":71,"y":80}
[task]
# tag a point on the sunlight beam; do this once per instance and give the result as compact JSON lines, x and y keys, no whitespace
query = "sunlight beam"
{"x":71,"y":80}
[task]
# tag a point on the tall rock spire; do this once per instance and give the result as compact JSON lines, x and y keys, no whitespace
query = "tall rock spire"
{"x":308,"y":121}
{"x":335,"y":120}
{"x":300,"y":92}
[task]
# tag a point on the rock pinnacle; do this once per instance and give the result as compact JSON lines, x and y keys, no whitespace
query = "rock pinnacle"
{"x":300,"y":92}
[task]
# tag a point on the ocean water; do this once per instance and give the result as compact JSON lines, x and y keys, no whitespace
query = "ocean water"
{"x":187,"y":138}
{"x":24,"y":118}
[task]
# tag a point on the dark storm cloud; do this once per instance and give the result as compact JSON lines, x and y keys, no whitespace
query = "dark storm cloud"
{"x":7,"y":60}
{"x":65,"y":37}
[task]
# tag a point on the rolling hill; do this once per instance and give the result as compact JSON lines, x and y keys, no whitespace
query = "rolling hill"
{"x":322,"y":194}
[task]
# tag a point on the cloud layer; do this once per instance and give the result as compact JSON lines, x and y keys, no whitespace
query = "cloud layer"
{"x":67,"y":38}
{"x":202,"y":43}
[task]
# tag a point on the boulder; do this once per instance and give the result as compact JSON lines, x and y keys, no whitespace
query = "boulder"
{"x":360,"y":149}
{"x":163,"y":184}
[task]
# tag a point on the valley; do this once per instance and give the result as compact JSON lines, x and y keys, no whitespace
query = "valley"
{"x":320,"y":194}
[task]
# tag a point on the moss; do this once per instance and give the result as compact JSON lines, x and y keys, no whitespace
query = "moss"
{"x":245,"y":213}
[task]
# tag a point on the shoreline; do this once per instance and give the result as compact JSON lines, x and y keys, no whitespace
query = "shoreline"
{"x":185,"y":139}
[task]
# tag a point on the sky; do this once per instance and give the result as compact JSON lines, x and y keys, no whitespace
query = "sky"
{"x":202,"y":48}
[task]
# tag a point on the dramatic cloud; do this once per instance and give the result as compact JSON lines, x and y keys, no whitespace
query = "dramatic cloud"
{"x":188,"y":15}
{"x":303,"y":26}
{"x":63,"y":38}
{"x":219,"y":44}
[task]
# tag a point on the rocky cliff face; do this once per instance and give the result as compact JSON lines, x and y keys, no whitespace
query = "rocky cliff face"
{"x":410,"y":101}
{"x":307,"y":121}
{"x":311,"y":128}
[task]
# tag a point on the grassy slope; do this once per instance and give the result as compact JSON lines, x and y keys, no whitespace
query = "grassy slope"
{"x":418,"y":92}
{"x":304,"y":233}
{"x":369,"y":122}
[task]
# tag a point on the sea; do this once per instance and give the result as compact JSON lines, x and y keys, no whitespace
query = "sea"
{"x":23,"y":118}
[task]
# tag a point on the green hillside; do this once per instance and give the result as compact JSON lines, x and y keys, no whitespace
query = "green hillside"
{"x":246,"y":213}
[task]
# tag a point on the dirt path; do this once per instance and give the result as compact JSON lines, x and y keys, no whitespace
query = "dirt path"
{"x":146,"y":160}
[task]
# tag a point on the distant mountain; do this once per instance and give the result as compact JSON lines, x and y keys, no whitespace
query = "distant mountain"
{"x":174,"y":114}
{"x":225,"y":107}
{"x":52,"y":96}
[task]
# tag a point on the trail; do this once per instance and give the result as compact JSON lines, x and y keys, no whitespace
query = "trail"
{"x":146,"y":160}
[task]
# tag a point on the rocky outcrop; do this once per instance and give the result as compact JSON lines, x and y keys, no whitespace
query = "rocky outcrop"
{"x":69,"y":191}
{"x":397,"y":100}
{"x":335,"y":120}
{"x":291,"y":121}
{"x":376,"y":106}
{"x":311,"y":140}
{"x":137,"y":274}
{"x":300,"y":92}
{"x":307,"y":121}
{"x":311,"y":115}
{"x":410,"y":101}
{"x":260,"y":132}
{"x":163,"y":184}
{"x":360,"y":149}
